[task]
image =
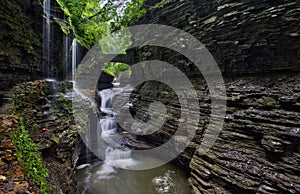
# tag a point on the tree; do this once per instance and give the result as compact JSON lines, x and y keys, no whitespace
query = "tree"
{"x":90,"y":20}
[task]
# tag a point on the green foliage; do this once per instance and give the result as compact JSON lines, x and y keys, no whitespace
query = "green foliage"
{"x":115,"y":43}
{"x":89,"y":20}
{"x":30,"y":159}
{"x":94,"y":21}
{"x":17,"y":103}
{"x":117,"y":69}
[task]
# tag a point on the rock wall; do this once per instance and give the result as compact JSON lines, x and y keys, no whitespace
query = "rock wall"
{"x":47,"y":112}
{"x":21,"y":43}
{"x":258,"y":148}
{"x":255,"y":46}
{"x":243,"y":36}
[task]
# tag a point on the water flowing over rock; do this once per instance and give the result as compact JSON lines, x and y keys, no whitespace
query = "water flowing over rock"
{"x":256,"y":45}
{"x":21,"y":43}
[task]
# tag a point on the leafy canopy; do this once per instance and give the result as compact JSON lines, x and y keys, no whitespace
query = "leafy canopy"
{"x":90,"y":20}
{"x":115,"y":43}
{"x":93,"y":21}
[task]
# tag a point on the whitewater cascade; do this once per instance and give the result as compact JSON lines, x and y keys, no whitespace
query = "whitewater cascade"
{"x":110,"y":175}
{"x":115,"y":154}
{"x":74,"y":58}
{"x":66,"y":54}
{"x":47,"y":38}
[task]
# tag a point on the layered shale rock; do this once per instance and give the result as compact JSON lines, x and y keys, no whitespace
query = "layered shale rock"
{"x":243,"y":36}
{"x":254,"y":44}
{"x":21,"y":43}
{"x":258,"y":147}
{"x":46,"y":107}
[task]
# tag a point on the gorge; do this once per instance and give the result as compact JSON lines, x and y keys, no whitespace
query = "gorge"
{"x":256,"y":47}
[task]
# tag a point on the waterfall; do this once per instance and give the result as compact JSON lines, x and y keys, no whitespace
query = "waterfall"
{"x":74,"y":58}
{"x":115,"y":154}
{"x":105,"y":139}
{"x":66,"y":51}
{"x":106,"y":101}
{"x":47,"y":38}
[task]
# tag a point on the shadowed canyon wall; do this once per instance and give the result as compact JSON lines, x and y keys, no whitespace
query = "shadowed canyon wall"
{"x":21,"y":43}
{"x":243,"y":36}
{"x":256,"y":45}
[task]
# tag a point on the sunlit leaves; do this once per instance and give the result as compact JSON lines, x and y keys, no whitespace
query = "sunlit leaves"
{"x":116,"y":43}
{"x":90,"y":20}
{"x":117,"y":69}
{"x":94,"y":21}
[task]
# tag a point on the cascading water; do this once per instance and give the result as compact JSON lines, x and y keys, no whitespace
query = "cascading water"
{"x":109,"y":176}
{"x":114,"y":153}
{"x":74,"y":58}
{"x":47,"y":38}
{"x":51,"y":99}
{"x":66,"y":52}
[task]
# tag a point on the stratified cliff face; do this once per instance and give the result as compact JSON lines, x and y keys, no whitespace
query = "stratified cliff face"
{"x":258,"y":148}
{"x":21,"y":43}
{"x":243,"y":36}
{"x":256,"y":45}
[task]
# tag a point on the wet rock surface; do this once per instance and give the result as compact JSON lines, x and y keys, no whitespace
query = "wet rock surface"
{"x":257,"y":150}
{"x":21,"y":43}
{"x":47,"y":111}
{"x":258,"y":147}
{"x":252,"y":42}
{"x":12,"y":178}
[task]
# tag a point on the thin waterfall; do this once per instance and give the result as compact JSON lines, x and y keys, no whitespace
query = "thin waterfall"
{"x":74,"y":58}
{"x":66,"y":51}
{"x":47,"y":38}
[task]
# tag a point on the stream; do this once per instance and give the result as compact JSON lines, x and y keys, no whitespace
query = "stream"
{"x":102,"y":178}
{"x":112,"y":175}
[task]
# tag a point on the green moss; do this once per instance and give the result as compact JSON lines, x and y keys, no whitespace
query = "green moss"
{"x":30,"y":159}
